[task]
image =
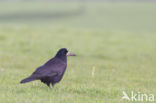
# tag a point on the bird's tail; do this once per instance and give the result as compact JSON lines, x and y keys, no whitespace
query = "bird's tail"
{"x":28,"y":79}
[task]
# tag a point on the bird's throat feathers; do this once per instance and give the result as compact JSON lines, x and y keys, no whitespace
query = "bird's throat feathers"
{"x":61,"y":57}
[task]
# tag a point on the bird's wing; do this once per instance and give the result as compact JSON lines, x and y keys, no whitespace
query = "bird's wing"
{"x":55,"y":68}
{"x":44,"y":71}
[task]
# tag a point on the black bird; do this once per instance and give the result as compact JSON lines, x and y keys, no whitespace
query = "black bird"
{"x":53,"y":70}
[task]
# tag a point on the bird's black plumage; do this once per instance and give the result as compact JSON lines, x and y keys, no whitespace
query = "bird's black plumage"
{"x":53,"y":70}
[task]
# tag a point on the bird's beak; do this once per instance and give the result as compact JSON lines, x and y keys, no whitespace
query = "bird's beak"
{"x":70,"y":54}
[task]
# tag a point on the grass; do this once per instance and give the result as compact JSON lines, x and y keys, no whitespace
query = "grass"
{"x":117,"y":39}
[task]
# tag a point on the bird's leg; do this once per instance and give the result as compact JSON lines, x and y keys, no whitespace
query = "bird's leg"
{"x":52,"y":84}
{"x":48,"y":84}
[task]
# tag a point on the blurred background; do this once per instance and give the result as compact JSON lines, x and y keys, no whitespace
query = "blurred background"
{"x":114,"y":41}
{"x":110,"y":15}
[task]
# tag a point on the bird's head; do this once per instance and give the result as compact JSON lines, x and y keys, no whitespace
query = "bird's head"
{"x":64,"y":52}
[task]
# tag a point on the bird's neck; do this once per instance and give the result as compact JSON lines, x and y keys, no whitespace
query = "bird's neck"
{"x":63,"y":58}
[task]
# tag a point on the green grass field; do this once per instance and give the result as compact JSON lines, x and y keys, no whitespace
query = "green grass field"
{"x":118,"y":40}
